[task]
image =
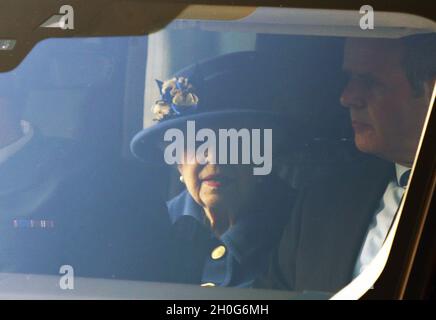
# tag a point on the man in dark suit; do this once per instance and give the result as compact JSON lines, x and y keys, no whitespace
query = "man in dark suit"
{"x":340,"y":220}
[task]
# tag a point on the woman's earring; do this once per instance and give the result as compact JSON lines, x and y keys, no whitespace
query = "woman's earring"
{"x":181,"y":179}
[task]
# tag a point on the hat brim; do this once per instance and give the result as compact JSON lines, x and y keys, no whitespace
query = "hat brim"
{"x":147,"y":144}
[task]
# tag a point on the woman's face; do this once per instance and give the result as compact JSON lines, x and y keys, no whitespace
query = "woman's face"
{"x":219,"y":187}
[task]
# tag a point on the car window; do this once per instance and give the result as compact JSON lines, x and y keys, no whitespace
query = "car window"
{"x":247,"y":152}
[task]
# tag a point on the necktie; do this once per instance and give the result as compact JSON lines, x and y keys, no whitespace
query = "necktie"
{"x":404,"y":179}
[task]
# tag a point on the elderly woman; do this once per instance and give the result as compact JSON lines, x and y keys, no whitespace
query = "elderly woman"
{"x":227,"y":220}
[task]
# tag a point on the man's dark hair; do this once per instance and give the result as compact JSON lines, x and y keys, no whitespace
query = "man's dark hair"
{"x":420,"y":60}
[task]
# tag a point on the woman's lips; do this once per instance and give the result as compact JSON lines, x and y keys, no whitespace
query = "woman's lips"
{"x":212,"y":183}
{"x":216,"y":181}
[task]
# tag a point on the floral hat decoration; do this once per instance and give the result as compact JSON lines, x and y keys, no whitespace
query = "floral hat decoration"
{"x":177,"y":98}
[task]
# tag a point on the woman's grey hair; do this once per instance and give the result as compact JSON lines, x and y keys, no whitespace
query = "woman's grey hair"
{"x":420,"y":60}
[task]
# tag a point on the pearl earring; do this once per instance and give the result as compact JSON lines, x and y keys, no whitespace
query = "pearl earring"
{"x":182,"y":180}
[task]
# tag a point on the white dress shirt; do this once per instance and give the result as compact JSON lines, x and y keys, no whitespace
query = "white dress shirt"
{"x":382,"y":221}
{"x":13,"y":148}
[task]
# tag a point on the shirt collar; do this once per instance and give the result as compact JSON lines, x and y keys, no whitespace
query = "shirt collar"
{"x":184,"y":205}
{"x":245,"y":239}
{"x":399,"y":171}
{"x":13,"y":148}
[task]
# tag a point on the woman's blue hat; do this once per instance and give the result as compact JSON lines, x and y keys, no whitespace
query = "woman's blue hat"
{"x":230,"y":91}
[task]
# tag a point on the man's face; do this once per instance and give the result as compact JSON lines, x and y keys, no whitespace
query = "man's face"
{"x":386,"y":116}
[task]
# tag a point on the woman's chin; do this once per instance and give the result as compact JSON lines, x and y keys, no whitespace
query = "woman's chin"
{"x":214,"y":199}
{"x":215,"y":189}
{"x":217,"y":197}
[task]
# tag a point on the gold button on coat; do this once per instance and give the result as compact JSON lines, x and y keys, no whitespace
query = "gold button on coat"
{"x":218,"y":252}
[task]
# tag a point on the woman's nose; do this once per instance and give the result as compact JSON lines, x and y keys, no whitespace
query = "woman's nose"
{"x":211,"y":156}
{"x":207,"y":157}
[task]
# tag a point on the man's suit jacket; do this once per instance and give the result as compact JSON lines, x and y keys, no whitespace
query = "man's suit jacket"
{"x":320,"y":245}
